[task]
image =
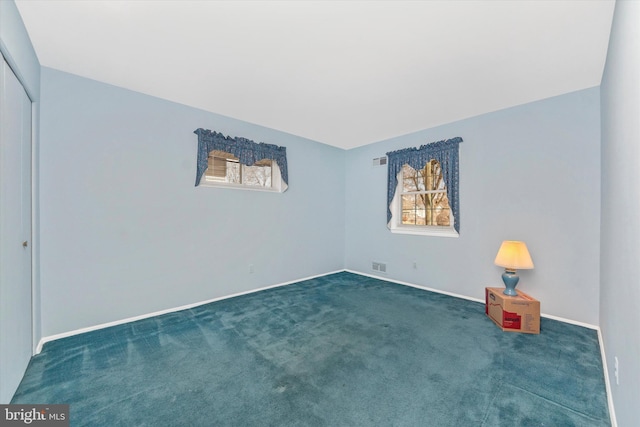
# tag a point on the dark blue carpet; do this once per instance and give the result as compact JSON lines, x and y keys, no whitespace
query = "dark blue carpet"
{"x":339,"y":350}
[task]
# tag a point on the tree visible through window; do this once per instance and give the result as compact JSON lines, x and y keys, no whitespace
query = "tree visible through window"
{"x":424,"y":196}
{"x":422,"y":189}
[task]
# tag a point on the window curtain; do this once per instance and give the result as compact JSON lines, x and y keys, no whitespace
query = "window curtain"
{"x":445,"y":152}
{"x":247,"y":151}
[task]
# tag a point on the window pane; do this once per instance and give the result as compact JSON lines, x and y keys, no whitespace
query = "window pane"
{"x":413,"y":201}
{"x":409,"y":209}
{"x":413,"y":209}
{"x":443,"y":217}
{"x":408,"y":217}
{"x":224,"y":167}
{"x":437,"y":207}
{"x":413,"y":180}
{"x":432,"y":176}
{"x":259,"y":176}
{"x":216,"y":169}
{"x":409,"y":178}
{"x":430,"y":207}
{"x":233,"y":172}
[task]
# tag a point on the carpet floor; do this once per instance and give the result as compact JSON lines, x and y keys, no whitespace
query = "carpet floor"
{"x":338,"y":350}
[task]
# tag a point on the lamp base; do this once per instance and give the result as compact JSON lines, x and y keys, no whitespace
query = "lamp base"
{"x":510,"y":279}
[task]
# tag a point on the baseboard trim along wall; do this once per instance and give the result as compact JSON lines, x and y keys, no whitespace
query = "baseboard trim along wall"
{"x":438,"y":291}
{"x":614,"y":423}
{"x":45,"y":340}
{"x":424,"y":288}
{"x":612,"y":412}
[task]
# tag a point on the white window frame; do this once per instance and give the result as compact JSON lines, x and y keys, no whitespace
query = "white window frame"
{"x":277,"y":185}
{"x":396,"y":226}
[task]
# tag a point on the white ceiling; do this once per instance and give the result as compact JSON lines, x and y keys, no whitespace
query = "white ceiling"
{"x":345,"y":73}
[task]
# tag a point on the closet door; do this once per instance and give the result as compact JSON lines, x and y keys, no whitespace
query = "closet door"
{"x":15,"y":232}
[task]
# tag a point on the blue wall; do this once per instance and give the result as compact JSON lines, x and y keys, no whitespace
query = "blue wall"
{"x":528,"y":173}
{"x":124,"y":231}
{"x":620,"y":251}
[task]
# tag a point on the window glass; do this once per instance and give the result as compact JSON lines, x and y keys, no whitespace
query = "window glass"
{"x":225,"y":168}
{"x":423,"y":197}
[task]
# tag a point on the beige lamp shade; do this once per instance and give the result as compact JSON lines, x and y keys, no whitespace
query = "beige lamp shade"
{"x":514,"y":256}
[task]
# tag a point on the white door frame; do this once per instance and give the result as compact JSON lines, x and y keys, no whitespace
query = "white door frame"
{"x":17,"y":358}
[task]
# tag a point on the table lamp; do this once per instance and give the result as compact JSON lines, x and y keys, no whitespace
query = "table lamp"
{"x":512,"y":256}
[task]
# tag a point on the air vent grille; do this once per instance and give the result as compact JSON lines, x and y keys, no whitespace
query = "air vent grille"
{"x":380,"y":267}
{"x":380,"y":161}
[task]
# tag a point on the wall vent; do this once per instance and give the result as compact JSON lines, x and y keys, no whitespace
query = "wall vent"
{"x":380,"y":267}
{"x":380,"y":161}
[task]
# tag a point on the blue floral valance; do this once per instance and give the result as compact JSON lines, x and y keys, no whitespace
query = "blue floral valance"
{"x":247,"y":151}
{"x":445,"y":152}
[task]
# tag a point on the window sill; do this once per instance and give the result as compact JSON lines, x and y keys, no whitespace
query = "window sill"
{"x":425,"y":231}
{"x":240,"y":187}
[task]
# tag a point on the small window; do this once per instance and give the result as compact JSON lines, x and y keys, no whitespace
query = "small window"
{"x":240,"y":163}
{"x":224,"y":169}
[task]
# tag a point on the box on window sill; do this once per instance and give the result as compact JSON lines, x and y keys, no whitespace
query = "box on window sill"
{"x":513,"y":313}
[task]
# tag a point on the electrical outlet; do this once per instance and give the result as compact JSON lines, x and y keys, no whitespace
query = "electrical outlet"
{"x":250,"y":268}
{"x":415,"y":265}
{"x":616,"y":370}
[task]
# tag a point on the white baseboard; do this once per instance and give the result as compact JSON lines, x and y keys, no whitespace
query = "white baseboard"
{"x":44,"y":340}
{"x":438,"y":291}
{"x":607,"y":383}
{"x":49,"y":338}
{"x":572,"y":322}
{"x":413,"y":285}
{"x":386,"y":279}
{"x":612,"y":412}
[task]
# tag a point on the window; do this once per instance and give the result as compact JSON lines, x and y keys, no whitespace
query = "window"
{"x":240,"y":163}
{"x":424,"y":196}
{"x":422,"y":190}
{"x":224,"y":168}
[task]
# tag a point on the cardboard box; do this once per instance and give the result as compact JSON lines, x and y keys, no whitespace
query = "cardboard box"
{"x":513,"y":313}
